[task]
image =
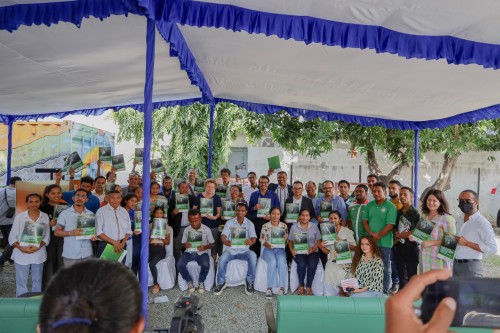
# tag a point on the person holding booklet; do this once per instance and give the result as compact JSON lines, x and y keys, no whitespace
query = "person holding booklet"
{"x":436,"y":210}
{"x":356,"y":211}
{"x":274,"y":236}
{"x":368,"y":268}
{"x":157,"y":243}
{"x":86,"y":183}
{"x":212,"y":217}
{"x":178,"y":208}
{"x":129,"y":202}
{"x":338,"y":265}
{"x":51,"y":201}
{"x":74,"y":249}
{"x":29,"y":235}
{"x":238,"y":235}
{"x":197,"y":239}
{"x":305,"y":239}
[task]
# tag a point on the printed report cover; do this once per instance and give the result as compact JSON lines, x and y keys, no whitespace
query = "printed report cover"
{"x":422,"y":231}
{"x":292,"y":212}
{"x":195,"y":238}
{"x":157,"y":165}
{"x":403,"y":226}
{"x":228,"y":209}
{"x":274,"y":162}
{"x":118,"y":162}
{"x":448,"y":247}
{"x":137,"y":220}
{"x":328,"y":232}
{"x":182,"y":202}
{"x":32,"y":234}
{"x":58,"y":209}
{"x":199,"y":185}
{"x":343,"y":252}
{"x":238,"y":237}
{"x":109,"y":254}
{"x":266,"y":207}
{"x":206,"y":206}
{"x":87,"y":223}
{"x":105,"y":154}
{"x":325,"y":208}
{"x":139,"y":155}
{"x":278,"y":237}
{"x":159,"y":228}
{"x":221,"y":191}
{"x":73,"y":161}
{"x":300,"y":244}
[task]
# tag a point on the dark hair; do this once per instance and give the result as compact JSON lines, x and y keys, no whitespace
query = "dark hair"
{"x":343,"y":181}
{"x":181,"y":182}
{"x":235,"y":185}
{"x":328,"y":181}
{"x":443,"y":207}
{"x":126,"y":198}
{"x":81,"y":190}
{"x":358,"y":253}
{"x":242,"y":204}
{"x":252,"y":173}
{"x":394,"y":181}
{"x":154,"y":210}
{"x":474,"y":193}
{"x":274,"y":208}
{"x":372,"y":175}
{"x":409,"y":189}
{"x":264,"y":177}
{"x":381,"y":184}
{"x":225,"y":170}
{"x":154,"y":183}
{"x":336,"y":212}
{"x":99,"y":177}
{"x":282,"y":173}
{"x":298,"y":182}
{"x":304,"y":209}
{"x":311,"y":183}
{"x":34,"y":194}
{"x":87,"y":179}
{"x":46,"y":191}
{"x":138,"y":187}
{"x":114,"y":191}
{"x":85,"y":290}
{"x":166,"y":178}
{"x":108,"y":174}
{"x":14,"y":179}
{"x":363,"y":186}
{"x":194,"y":212}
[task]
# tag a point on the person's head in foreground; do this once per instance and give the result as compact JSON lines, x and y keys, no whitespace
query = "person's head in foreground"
{"x":83,"y":298}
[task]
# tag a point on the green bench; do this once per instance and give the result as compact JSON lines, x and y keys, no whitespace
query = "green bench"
{"x":19,"y":315}
{"x":304,"y":314}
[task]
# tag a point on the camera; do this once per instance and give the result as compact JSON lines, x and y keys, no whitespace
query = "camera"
{"x":186,"y":318}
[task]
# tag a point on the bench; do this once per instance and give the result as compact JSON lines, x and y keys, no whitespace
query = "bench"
{"x":19,"y":315}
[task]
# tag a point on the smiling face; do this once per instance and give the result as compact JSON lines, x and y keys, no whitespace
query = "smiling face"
{"x":432,"y":203}
{"x":275,"y":215}
{"x":297,"y":190}
{"x":210,"y":189}
{"x":33,"y":203}
{"x":304,"y":217}
{"x":132,"y":203}
{"x":263,"y":184}
{"x":282,"y":179}
{"x":54,"y":195}
{"x":155,"y":189}
{"x":334,"y":218}
{"x":195,"y":221}
{"x":114,"y":200}
{"x":311,"y":189}
{"x":370,"y":181}
{"x":328,"y":189}
{"x":366,"y":247}
{"x":405,"y":197}
{"x":378,"y":193}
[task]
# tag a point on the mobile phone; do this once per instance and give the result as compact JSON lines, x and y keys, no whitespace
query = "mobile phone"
{"x":478,"y":301}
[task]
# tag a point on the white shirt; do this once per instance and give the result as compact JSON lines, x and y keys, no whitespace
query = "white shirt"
{"x":206,"y":237}
{"x":37,"y":257}
{"x":74,"y":248}
{"x":234,"y":223}
{"x":476,"y":230}
{"x":114,"y":223}
{"x":248,"y":190}
{"x":282,"y":193}
{"x":99,"y":196}
{"x":298,"y":201}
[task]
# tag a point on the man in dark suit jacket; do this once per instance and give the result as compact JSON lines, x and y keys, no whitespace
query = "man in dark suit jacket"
{"x":176,"y":218}
{"x":282,"y":189}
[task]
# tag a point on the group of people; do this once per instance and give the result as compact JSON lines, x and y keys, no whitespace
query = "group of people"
{"x":376,"y":220}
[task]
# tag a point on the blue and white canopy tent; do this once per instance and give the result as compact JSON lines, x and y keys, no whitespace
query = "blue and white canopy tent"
{"x":394,"y":63}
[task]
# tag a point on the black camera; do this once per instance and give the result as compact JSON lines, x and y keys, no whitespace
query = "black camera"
{"x":186,"y":318}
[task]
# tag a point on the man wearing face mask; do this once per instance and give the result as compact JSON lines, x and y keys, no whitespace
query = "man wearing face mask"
{"x":475,"y":237}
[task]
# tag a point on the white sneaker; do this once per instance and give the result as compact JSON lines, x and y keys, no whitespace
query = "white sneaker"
{"x":201,"y":288}
{"x":191,"y":287}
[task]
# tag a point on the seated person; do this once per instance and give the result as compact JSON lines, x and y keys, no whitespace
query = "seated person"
{"x":367,"y":266}
{"x":335,"y":273}
{"x":202,"y":235}
{"x":157,"y":250}
{"x":83,"y":298}
{"x":232,"y":228}
{"x":306,"y":262}
{"x":274,"y":257}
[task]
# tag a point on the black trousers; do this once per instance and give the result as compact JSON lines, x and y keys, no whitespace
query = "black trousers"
{"x":258,"y":223}
{"x":156,"y":254}
{"x":5,"y":229}
{"x":406,"y":261}
{"x":54,"y":260}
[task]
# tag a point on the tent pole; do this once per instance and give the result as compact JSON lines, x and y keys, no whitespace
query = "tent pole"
{"x":146,"y":179}
{"x":10,"y":128}
{"x":210,"y":139}
{"x":415,"y":171}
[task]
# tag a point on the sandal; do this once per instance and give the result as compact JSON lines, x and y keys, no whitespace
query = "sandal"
{"x":309,"y":292}
{"x":300,"y":291}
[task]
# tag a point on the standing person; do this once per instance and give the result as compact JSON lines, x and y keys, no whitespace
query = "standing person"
{"x":370,"y":180}
{"x":298,"y":198}
{"x":133,"y":183}
{"x":251,"y":187}
{"x":394,"y":188}
{"x":74,"y":250}
{"x":29,"y":258}
{"x":311,"y":190}
{"x":282,"y":189}
{"x":154,"y":192}
{"x":113,"y":224}
{"x":7,"y":213}
{"x":201,"y":254}
{"x":98,"y":191}
{"x":225,"y":174}
{"x":406,"y":250}
{"x":166,"y":189}
{"x":191,"y":181}
{"x":344,"y":187}
{"x":235,"y":195}
{"x":179,"y":221}
{"x":275,"y":258}
{"x":306,"y":263}
{"x":212,"y":220}
{"x":356,"y":211}
{"x":378,"y":221}
{"x":86,"y":183}
{"x":475,"y":237}
{"x":435,"y":209}
{"x":157,"y":250}
{"x":51,"y":198}
{"x":254,"y":206}
{"x":129,"y":202}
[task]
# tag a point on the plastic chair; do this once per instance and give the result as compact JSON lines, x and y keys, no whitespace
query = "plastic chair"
{"x":166,"y":267}
{"x":317,"y":285}
{"x":261,"y":277}
{"x":194,"y":271}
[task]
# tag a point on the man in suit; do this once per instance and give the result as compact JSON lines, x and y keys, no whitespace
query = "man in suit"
{"x":282,"y":189}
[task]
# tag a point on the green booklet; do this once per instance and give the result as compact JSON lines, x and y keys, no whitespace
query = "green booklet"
{"x":221,"y":191}
{"x":139,"y":155}
{"x":109,"y":254}
{"x":321,"y":194}
{"x":278,"y":237}
{"x":328,"y":232}
{"x":292,"y":212}
{"x":87,"y":223}
{"x":274,"y":162}
{"x":403,"y":226}
{"x":182,"y":202}
{"x":199,"y":185}
{"x":325,"y":208}
{"x":105,"y":154}
{"x":300,"y":244}
{"x":159,"y":203}
{"x":266,"y":207}
{"x":118,"y":162}
{"x":32,"y":234}
{"x":73,"y":161}
{"x":58,"y":210}
{"x":228,"y":209}
{"x":137,"y":220}
{"x":422,"y":231}
{"x":238,"y":237}
{"x":343,"y":252}
{"x":157,"y":165}
{"x":195,"y":238}
{"x":448,"y":247}
{"x":159,"y":228}
{"x":206,"y":206}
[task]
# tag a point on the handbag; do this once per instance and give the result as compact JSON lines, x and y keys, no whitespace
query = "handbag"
{"x":11,"y":211}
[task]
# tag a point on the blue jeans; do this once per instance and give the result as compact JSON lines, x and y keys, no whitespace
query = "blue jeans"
{"x":201,"y":259}
{"x":307,"y":263}
{"x":249,"y":256}
{"x":394,"y":269}
{"x":275,"y":259}
{"x":386,"y":257}
{"x":22,"y":274}
{"x":368,"y":293}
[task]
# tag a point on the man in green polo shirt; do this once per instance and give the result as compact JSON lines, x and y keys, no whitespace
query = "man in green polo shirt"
{"x":356,"y":211}
{"x":378,"y":221}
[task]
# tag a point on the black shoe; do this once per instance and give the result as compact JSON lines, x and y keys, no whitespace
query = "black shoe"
{"x":219,"y":288}
{"x":249,"y":288}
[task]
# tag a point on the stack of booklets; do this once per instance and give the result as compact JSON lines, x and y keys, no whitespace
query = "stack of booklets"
{"x":32,"y":234}
{"x":195,"y":238}
{"x":300,"y":244}
{"x":448,"y":247}
{"x":278,"y":237}
{"x":292,"y":212}
{"x":238,"y":237}
{"x":206,"y":206}
{"x":343,"y":252}
{"x":118,"y":162}
{"x":422,"y":231}
{"x":328,"y":232}
{"x":159,"y":228}
{"x":228,"y":209}
{"x":325,"y":208}
{"x":182,"y":202}
{"x":109,"y":254}
{"x":265,"y":209}
{"x":87,"y":223}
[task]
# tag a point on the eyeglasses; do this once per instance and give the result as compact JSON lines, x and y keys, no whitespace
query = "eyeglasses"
{"x":82,"y":196}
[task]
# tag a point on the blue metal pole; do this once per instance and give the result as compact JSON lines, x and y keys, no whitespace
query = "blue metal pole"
{"x":10,"y":128}
{"x":210,"y":139}
{"x":415,"y":171}
{"x":146,"y":180}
